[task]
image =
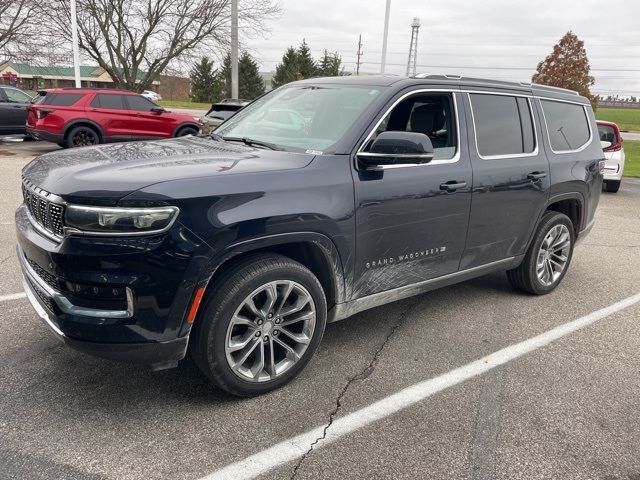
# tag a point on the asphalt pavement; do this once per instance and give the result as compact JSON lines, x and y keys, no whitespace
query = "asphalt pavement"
{"x":565,"y":409}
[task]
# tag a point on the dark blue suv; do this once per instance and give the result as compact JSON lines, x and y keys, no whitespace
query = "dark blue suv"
{"x":240,"y":246}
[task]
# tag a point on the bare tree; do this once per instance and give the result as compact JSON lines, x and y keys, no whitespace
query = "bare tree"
{"x":15,"y":24}
{"x":136,"y":40}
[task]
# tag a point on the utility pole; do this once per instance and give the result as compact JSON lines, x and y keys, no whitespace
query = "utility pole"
{"x":234,"y":49}
{"x":413,"y":48}
{"x":74,"y":43}
{"x":359,"y":54}
{"x":385,"y":35}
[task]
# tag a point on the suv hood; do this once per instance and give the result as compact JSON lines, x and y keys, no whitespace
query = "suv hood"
{"x":106,"y":173}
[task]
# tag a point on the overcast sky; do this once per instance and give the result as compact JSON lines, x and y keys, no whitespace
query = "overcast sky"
{"x":464,"y":36}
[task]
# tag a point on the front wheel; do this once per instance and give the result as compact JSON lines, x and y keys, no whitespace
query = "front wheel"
{"x":187,"y":131}
{"x":547,"y":260}
{"x":260,"y":326}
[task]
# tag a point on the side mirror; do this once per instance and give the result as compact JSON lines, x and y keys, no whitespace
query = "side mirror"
{"x":158,"y":110}
{"x":397,"y":148}
{"x":604,"y":144}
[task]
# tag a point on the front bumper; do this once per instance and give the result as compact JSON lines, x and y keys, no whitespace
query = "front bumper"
{"x":155,"y":354}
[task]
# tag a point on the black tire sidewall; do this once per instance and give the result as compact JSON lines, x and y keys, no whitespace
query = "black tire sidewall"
{"x":550,"y":220}
{"x":74,"y":130}
{"x":217,"y":314}
{"x":186,"y":131}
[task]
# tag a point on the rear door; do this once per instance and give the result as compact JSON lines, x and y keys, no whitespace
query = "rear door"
{"x":510,"y":175}
{"x":110,"y":112}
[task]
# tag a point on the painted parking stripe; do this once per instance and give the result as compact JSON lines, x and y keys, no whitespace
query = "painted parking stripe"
{"x":12,"y":296}
{"x":297,"y":446}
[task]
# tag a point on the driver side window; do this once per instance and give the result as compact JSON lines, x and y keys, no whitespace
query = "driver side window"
{"x":428,"y":113}
{"x":16,"y":96}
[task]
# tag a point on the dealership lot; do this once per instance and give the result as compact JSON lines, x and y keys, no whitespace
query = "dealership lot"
{"x":566,"y":410}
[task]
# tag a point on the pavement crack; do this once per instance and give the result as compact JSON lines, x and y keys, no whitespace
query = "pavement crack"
{"x":362,"y":375}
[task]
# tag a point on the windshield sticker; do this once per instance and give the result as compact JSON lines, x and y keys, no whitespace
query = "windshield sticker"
{"x":314,"y":152}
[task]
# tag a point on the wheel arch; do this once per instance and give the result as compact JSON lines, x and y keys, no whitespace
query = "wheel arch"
{"x":185,"y":125}
{"x":83,"y":122}
{"x":314,"y":250}
{"x":572,"y":205}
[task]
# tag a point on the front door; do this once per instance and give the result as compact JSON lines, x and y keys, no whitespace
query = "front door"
{"x":411,"y":221}
{"x":13,"y":110}
{"x":510,"y":176}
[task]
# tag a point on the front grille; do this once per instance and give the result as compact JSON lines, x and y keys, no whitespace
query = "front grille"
{"x":44,"y":211}
{"x":48,"y":278}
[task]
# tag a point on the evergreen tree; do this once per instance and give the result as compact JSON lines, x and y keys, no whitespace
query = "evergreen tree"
{"x":306,"y":64}
{"x":250,"y":83}
{"x":205,"y":86}
{"x":330,"y":65}
{"x":287,"y":70}
{"x":567,"y":67}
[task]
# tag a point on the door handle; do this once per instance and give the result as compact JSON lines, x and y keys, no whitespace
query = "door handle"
{"x":452,"y":185}
{"x":536,"y":175}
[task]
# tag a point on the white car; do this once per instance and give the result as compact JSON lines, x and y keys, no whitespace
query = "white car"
{"x":151,"y":95}
{"x":611,"y":142}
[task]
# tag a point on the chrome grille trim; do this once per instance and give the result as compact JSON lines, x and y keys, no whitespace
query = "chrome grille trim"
{"x":46,"y":210}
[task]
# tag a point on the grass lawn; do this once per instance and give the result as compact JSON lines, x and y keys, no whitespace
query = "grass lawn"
{"x":185,"y":104}
{"x":632,"y":158}
{"x":626,"y":118}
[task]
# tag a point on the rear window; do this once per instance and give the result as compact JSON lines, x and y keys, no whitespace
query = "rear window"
{"x":567,"y":125}
{"x":607,"y":133}
{"x":59,"y":99}
{"x":104,"y":100}
{"x":503,"y":125}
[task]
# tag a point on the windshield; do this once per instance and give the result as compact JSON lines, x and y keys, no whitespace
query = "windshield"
{"x":300,"y":118}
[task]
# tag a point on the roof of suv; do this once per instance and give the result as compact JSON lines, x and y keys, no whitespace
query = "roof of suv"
{"x":87,"y":90}
{"x":448,"y":80}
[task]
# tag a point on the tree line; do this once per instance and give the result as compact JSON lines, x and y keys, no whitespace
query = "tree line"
{"x":211,"y":84}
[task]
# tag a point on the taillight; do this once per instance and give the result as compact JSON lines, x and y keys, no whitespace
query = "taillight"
{"x":41,"y":113}
{"x":616,"y":147}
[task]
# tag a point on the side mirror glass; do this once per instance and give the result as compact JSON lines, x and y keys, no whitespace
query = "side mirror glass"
{"x":397,"y":148}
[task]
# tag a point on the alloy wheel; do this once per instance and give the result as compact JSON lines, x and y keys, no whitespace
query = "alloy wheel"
{"x":553,"y":255}
{"x":270,"y":331}
{"x":83,"y":138}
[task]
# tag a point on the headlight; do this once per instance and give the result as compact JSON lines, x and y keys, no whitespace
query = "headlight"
{"x":119,"y":221}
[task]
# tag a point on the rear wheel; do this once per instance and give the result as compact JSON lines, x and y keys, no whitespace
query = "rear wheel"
{"x":547,"y":260}
{"x":260,"y":326}
{"x":612,"y":186}
{"x":187,"y":131}
{"x":82,"y":136}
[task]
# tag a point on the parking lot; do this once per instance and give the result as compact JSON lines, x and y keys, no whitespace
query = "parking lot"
{"x":566,"y":409}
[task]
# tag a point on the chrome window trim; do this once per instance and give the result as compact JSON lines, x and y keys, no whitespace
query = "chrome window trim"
{"x":536,"y":150}
{"x":546,"y":126}
{"x":453,"y":159}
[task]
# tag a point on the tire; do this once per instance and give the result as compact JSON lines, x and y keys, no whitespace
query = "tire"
{"x":612,"y":186}
{"x":530,"y":276}
{"x":81,"y":136}
{"x":216,"y":331}
{"x":187,"y":131}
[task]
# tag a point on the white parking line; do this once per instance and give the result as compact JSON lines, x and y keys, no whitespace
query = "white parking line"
{"x":12,"y":296}
{"x":296,"y":447}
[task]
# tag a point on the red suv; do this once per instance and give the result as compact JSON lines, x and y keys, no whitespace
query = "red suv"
{"x":77,"y":117}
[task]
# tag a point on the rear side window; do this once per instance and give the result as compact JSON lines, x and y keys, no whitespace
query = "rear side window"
{"x":103,"y":100}
{"x":503,"y":125}
{"x":607,"y":134}
{"x":567,"y":125}
{"x":60,"y":99}
{"x":139,"y":103}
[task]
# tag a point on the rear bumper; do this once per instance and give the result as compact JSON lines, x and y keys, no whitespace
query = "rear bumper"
{"x":44,"y":135}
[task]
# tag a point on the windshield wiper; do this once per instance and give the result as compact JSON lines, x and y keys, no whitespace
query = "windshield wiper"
{"x":251,"y":142}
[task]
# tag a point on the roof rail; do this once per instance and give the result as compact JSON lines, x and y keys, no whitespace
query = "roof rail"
{"x":557,"y":89}
{"x":438,"y":75}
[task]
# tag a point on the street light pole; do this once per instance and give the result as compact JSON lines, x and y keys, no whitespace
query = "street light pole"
{"x":384,"y":37}
{"x":234,"y":48}
{"x":74,"y":42}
